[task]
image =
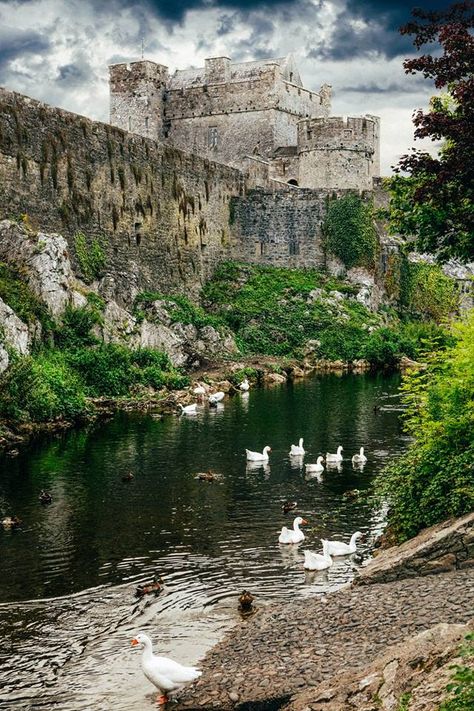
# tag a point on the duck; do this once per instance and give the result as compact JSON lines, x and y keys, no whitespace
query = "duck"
{"x":45,"y":497}
{"x":245,"y":602}
{"x":318,"y":467}
{"x":258,"y":456}
{"x":289,"y":506}
{"x":316,"y":561}
{"x":155,"y":587}
{"x":166,"y":674}
{"x":334,"y":457}
{"x":129,"y":476}
{"x":295,"y":535}
{"x":244,"y":385}
{"x":11,"y":522}
{"x":206,"y":476}
{"x":359,"y":458}
{"x":199,"y":390}
{"x":339,"y":548}
{"x":216,"y":397}
{"x":188,"y":409}
{"x":297,"y":449}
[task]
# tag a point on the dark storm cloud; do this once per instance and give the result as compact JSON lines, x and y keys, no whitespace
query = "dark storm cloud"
{"x":415,"y":86}
{"x":16,"y":43}
{"x":379,"y":33}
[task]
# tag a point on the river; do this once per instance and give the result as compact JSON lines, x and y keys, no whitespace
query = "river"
{"x":69,"y":573}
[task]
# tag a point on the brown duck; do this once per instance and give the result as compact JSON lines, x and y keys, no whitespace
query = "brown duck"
{"x":155,"y":587}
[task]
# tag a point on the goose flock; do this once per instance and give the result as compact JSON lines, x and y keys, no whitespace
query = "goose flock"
{"x":168,"y":675}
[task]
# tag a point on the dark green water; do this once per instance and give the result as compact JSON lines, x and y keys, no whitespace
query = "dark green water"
{"x":101,"y":536}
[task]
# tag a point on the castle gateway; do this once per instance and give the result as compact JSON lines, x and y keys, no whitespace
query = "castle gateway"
{"x":248,"y":114}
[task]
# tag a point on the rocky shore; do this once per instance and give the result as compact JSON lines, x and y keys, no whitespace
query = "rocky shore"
{"x":389,"y":637}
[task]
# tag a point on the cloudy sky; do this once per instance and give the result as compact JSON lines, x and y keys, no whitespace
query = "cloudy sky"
{"x":58,"y":50}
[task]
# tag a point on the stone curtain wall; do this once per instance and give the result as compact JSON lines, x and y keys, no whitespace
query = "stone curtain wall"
{"x":281,"y":228}
{"x":161,"y":216}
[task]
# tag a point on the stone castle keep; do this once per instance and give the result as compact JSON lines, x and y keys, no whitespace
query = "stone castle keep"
{"x":232,"y":161}
{"x":237,"y":114}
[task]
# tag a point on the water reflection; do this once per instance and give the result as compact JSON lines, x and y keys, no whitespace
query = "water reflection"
{"x":101,"y":536}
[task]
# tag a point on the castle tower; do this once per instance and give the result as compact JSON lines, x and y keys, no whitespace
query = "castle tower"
{"x":137,"y":97}
{"x":336,"y":153}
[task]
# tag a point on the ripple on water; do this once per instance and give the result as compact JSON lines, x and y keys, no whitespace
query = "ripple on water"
{"x":207,"y":541}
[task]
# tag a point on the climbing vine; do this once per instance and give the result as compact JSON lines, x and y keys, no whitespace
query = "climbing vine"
{"x":349,"y":231}
{"x":90,"y":255}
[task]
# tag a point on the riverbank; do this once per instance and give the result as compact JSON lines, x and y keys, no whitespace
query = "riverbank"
{"x":262,"y":371}
{"x":336,"y":652}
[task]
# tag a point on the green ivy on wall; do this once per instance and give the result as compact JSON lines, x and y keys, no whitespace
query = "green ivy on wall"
{"x":349,"y":231}
{"x":91,"y":256}
{"x":425,"y":291}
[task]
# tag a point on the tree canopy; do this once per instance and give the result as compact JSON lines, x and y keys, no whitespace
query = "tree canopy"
{"x":434,"y":203}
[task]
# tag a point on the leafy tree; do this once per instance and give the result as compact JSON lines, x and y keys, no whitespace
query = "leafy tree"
{"x":435,"y":203}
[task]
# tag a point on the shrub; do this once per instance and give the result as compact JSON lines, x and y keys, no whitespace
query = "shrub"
{"x":427,"y":292}
{"x":90,"y":255}
{"x":435,"y":478}
{"x":461,"y":686}
{"x":349,"y":231}
{"x":75,"y":328}
{"x":15,"y":292}
{"x":180,"y":309}
{"x":40,"y":389}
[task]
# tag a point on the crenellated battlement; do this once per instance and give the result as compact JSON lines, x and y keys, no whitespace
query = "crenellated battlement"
{"x":335,"y":132}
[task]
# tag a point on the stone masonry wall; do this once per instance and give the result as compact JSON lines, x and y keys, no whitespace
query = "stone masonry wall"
{"x":281,"y":228}
{"x":161,"y":216}
{"x":338,"y":153}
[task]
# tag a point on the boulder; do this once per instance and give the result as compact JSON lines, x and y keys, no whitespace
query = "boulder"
{"x":46,"y":259}
{"x":440,"y":548}
{"x":274,"y":379}
{"x":15,"y":333}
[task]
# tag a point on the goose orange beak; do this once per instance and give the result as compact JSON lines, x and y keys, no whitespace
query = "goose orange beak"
{"x":134,"y":642}
{"x":305,"y":521}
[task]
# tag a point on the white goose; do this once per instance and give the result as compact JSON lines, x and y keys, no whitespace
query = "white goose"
{"x":293,"y":536}
{"x":188,"y":409}
{"x":244,"y":385}
{"x":339,"y":548}
{"x":359,"y":458}
{"x":297,"y":449}
{"x":258,"y":456}
{"x":316,"y":561}
{"x":164,"y":673}
{"x":216,"y":397}
{"x":199,"y":389}
{"x":318,"y":467}
{"x":334,"y":457}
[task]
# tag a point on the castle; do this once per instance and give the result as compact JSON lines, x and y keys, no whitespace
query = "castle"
{"x":254,"y":116}
{"x":231,"y":161}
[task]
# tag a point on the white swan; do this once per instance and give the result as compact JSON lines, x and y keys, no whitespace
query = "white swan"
{"x":199,"y":390}
{"x":244,"y":385}
{"x":316,"y":561}
{"x":334,"y":457}
{"x":292,"y":536}
{"x":258,"y":456}
{"x":164,"y":673}
{"x":297,"y":449}
{"x":216,"y":397}
{"x":318,"y":467}
{"x":359,"y":458}
{"x":188,"y":409}
{"x":339,"y":548}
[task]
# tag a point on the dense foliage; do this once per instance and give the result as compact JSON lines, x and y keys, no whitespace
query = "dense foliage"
{"x":349,"y":231}
{"x":434,"y":203}
{"x":283,"y":312}
{"x":15,"y":292}
{"x":461,"y":688}
{"x":426,"y":292}
{"x":56,"y":382}
{"x":435,"y":478}
{"x":91,"y":256}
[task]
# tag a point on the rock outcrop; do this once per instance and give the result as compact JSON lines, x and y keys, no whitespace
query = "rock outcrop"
{"x":446,"y":546}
